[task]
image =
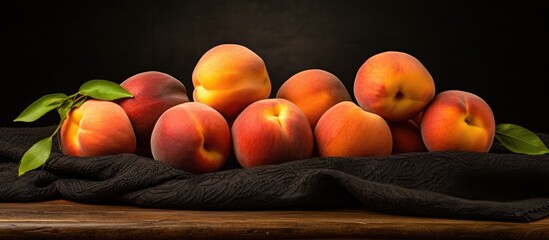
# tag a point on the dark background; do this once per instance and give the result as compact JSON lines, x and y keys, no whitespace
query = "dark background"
{"x":497,"y":51}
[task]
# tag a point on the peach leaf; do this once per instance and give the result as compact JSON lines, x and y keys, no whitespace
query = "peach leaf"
{"x":520,"y":140}
{"x":104,"y":90}
{"x":36,"y":156}
{"x":40,"y":107}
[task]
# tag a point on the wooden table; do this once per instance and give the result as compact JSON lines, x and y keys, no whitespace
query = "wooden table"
{"x":62,"y":219}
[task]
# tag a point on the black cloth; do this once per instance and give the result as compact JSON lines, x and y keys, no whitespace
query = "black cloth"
{"x":498,"y":185}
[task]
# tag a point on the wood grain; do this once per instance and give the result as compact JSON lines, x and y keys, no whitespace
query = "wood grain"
{"x":60,"y":219}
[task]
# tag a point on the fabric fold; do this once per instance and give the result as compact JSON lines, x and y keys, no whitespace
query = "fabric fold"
{"x":498,"y":185}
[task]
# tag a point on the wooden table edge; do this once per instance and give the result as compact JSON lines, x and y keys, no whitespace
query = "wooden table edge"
{"x":62,"y":219}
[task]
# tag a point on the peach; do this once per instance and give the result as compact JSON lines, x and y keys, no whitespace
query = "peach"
{"x":346,"y":130}
{"x":406,"y":137}
{"x":153,"y":93}
{"x":229,"y":77}
{"x":271,"y":131}
{"x":314,"y":91}
{"x":191,"y":136}
{"x":394,"y":85}
{"x":97,"y":128}
{"x":457,"y":120}
{"x":417,"y":118}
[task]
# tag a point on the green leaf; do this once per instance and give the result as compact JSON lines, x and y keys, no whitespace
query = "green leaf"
{"x":40,"y":107}
{"x":520,"y":140}
{"x":36,"y":156}
{"x":78,"y":102}
{"x":104,"y":90}
{"x":64,"y":109}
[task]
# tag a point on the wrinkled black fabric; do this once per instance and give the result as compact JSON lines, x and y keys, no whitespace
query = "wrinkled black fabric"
{"x":498,"y":185}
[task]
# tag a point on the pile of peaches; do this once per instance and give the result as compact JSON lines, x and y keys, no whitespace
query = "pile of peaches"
{"x":397,"y":110}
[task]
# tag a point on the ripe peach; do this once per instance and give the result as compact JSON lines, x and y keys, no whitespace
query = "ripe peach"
{"x":457,"y":120}
{"x":406,"y":137}
{"x":314,"y":91}
{"x":394,"y":85}
{"x":191,"y":136}
{"x":97,"y":128}
{"x":153,"y":93}
{"x":417,"y":118}
{"x":271,"y":131}
{"x":229,"y":77}
{"x":346,"y":130}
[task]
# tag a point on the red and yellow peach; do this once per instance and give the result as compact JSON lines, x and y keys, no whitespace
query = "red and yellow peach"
{"x":457,"y":120}
{"x":153,"y":93}
{"x":346,"y":130}
{"x":191,"y":136}
{"x":394,"y":85}
{"x":229,"y":77}
{"x":314,"y":91}
{"x":271,"y":131}
{"x":97,"y":128}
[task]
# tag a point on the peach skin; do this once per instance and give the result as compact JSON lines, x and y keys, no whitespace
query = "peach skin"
{"x":406,"y":137}
{"x":271,"y":131}
{"x":97,"y":128}
{"x":394,"y":85}
{"x":346,"y":130}
{"x":458,"y":121}
{"x":191,"y":136}
{"x":229,"y":77}
{"x":314,"y":91}
{"x":417,"y":118}
{"x":153,"y":93}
